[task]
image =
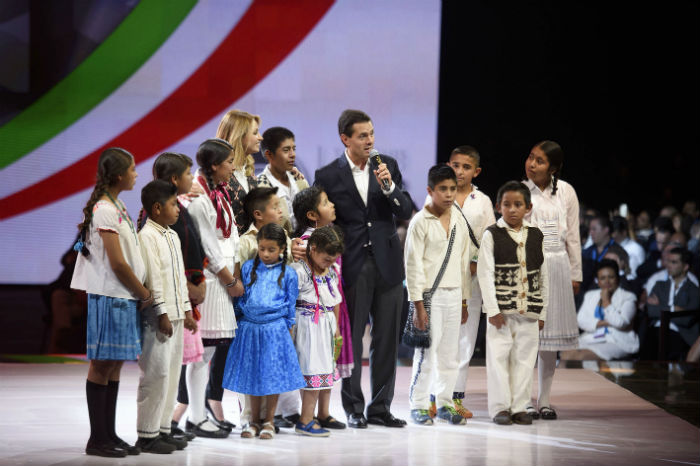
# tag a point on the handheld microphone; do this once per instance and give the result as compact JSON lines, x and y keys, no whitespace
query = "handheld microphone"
{"x":375,"y":153}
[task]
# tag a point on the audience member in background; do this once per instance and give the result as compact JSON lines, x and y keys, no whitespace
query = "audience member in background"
{"x":643,"y":229}
{"x":662,"y":275}
{"x":619,"y":255}
{"x":586,"y":216}
{"x":600,"y":230}
{"x":606,"y":318}
{"x":678,"y":293}
{"x":663,"y":229}
{"x":636,"y":253}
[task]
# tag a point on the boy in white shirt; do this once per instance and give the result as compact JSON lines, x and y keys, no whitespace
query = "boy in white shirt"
{"x":428,"y":240}
{"x":279,"y":149}
{"x":162,"y":323}
{"x":513,"y":278}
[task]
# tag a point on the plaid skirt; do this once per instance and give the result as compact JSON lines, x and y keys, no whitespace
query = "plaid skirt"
{"x":113,"y":328}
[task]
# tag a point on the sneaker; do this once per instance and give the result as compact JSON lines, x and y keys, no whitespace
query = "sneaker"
{"x":155,"y":445}
{"x":177,"y":432}
{"x":310,"y":430}
{"x":449,"y":414}
{"x":503,"y":418}
{"x":433,"y":407}
{"x":421,"y":417}
{"x":179,"y":443}
{"x":461,"y":410}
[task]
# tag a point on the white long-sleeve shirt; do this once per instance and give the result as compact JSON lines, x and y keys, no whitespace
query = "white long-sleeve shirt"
{"x":487,"y":269}
{"x":426,"y":246}
{"x":619,"y":314}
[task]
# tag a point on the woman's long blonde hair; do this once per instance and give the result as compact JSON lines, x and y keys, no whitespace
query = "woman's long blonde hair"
{"x":234,"y":125}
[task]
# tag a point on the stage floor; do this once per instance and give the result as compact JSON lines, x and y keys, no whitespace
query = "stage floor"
{"x":43,"y":421}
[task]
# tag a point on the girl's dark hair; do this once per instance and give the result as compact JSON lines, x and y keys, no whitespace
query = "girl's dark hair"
{"x":167,"y":165}
{"x":212,"y":152}
{"x":306,"y":200}
{"x":113,"y":163}
{"x":555,"y":155}
{"x":276,"y":233}
{"x":328,"y":239}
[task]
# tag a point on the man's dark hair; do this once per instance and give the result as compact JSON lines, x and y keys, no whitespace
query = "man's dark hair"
{"x":348,"y":118}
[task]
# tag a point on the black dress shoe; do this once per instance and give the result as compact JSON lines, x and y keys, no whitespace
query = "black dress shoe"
{"x":357,"y":421}
{"x":200,"y":432}
{"x":107,"y":450}
{"x":293,"y":418}
{"x":281,"y":421}
{"x":331,"y":423}
{"x":177,"y":432}
{"x":386,"y":419}
{"x":129,"y":449}
{"x":225,"y":425}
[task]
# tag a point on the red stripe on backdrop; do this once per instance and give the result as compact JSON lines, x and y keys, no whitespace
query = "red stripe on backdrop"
{"x":267,"y":32}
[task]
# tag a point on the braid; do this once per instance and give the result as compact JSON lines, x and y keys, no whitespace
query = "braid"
{"x":84,"y":226}
{"x":141,"y":219}
{"x":254,"y":273}
{"x":554,"y":184}
{"x":284,"y":265}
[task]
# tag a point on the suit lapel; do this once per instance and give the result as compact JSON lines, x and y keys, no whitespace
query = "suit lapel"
{"x":348,"y":181}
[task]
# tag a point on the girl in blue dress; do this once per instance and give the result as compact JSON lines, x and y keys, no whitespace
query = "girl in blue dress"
{"x":262,"y":360}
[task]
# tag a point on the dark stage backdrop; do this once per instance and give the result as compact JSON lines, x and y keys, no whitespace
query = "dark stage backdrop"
{"x":615,"y":83}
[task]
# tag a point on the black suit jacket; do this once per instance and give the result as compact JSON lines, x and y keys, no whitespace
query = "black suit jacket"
{"x":374,"y":222}
{"x":688,"y":297}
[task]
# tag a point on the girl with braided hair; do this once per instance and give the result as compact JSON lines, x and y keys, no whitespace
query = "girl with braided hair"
{"x":262,"y":361}
{"x":317,"y":312}
{"x":111,"y":270}
{"x":214,"y":220}
{"x":555,"y":212}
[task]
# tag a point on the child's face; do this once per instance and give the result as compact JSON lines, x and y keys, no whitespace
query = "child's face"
{"x":184,"y":181}
{"x":223,"y":171}
{"x":128,"y":179}
{"x":169,"y":212}
{"x":325,"y":211}
{"x":251,"y":140}
{"x":443,"y":194}
{"x":283,"y":158}
{"x":537,"y":167}
{"x":465,"y":167}
{"x":271,"y":214}
{"x":513,"y":208}
{"x":269,"y":251}
{"x":321,"y":260}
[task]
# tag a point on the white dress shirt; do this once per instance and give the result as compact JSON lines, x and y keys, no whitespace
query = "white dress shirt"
{"x":361,"y":178}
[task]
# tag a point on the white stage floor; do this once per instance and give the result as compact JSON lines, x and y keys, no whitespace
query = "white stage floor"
{"x":43,"y":421}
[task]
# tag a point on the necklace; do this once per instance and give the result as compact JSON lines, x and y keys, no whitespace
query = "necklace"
{"x":121,"y":208}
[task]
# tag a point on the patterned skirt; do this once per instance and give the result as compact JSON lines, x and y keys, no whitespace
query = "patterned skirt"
{"x":314,"y":345}
{"x":113,"y":328}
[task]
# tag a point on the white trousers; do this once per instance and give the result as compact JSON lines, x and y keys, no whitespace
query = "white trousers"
{"x":467,"y":336}
{"x":435,"y":368}
{"x":160,"y":363}
{"x":510,"y":360}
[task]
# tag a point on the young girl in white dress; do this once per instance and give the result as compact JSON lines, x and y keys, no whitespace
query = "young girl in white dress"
{"x":555,"y":212}
{"x":317,"y":329}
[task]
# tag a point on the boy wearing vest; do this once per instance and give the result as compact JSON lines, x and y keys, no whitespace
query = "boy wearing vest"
{"x":428,"y":241}
{"x":513,"y":279}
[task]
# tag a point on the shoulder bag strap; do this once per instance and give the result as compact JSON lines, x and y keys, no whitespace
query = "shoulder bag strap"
{"x":445,"y":261}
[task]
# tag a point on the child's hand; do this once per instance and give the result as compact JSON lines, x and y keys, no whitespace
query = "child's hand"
{"x":472,"y":268}
{"x":298,"y":249}
{"x":420,"y":317}
{"x":164,"y":325}
{"x":197,"y":292}
{"x":576,"y":286}
{"x":297,"y":174}
{"x":190,"y":324}
{"x":465,"y":313}
{"x":498,"y":321}
{"x":235,"y":290}
{"x":195,"y":191}
{"x":540,"y":324}
{"x":144,"y":304}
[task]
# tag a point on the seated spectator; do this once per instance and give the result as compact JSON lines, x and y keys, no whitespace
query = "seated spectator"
{"x":663,"y":229}
{"x":678,"y":293}
{"x":636,"y":253}
{"x":600,"y":230}
{"x":586,"y":214}
{"x":662,"y":275}
{"x":619,"y":255}
{"x":606,"y":318}
{"x":643,"y":229}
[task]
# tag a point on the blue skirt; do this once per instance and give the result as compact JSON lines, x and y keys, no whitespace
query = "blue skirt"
{"x":113,"y":328}
{"x":262,"y":360}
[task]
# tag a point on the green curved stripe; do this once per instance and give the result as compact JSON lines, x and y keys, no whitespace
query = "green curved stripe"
{"x":141,"y":33}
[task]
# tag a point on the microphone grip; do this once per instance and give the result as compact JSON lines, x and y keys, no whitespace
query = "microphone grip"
{"x":385,"y":183}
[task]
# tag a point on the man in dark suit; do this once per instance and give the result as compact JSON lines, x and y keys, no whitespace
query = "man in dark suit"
{"x":372,"y":263}
{"x":677,"y":293}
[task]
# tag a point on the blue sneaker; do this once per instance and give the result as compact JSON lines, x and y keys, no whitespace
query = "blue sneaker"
{"x":312,"y":429}
{"x":449,"y":414}
{"x":421,"y":417}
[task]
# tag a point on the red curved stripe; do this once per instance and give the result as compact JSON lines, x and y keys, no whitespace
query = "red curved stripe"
{"x":267,"y":32}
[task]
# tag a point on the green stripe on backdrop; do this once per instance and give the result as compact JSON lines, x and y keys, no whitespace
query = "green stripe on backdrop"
{"x":141,"y":33}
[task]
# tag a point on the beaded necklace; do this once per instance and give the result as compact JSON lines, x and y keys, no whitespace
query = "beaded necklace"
{"x":121,"y":208}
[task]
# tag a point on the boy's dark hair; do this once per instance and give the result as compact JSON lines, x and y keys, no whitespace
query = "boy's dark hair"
{"x":157,"y":191}
{"x":274,"y":137}
{"x":348,"y":118}
{"x":439,"y":173}
{"x":169,"y":164}
{"x":257,"y":199}
{"x":328,"y":239}
{"x":664,"y":224}
{"x":683,"y":253}
{"x":467,"y":150}
{"x":306,"y":200}
{"x":212,"y":152}
{"x":276,"y":233}
{"x":516,"y":186}
{"x":608,"y":264}
{"x":555,"y":156}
